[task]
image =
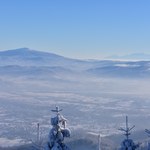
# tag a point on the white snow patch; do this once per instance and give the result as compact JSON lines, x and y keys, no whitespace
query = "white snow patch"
{"x":126,"y":65}
{"x":5,"y":142}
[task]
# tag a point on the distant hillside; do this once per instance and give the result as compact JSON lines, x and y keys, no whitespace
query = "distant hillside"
{"x":25,"y":56}
{"x":53,"y":63}
{"x":123,"y":69}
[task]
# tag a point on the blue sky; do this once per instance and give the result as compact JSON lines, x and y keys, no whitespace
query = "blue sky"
{"x":76,"y":28}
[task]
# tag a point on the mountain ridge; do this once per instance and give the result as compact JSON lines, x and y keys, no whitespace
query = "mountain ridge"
{"x":99,"y":68}
{"x":23,"y":51}
{"x":27,"y":57}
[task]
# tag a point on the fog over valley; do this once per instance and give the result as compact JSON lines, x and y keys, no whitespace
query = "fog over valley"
{"x":95,"y":95}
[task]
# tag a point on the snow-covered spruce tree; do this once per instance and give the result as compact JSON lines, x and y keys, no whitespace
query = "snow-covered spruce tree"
{"x":128,"y":144}
{"x":58,"y":132}
{"x":148,"y":143}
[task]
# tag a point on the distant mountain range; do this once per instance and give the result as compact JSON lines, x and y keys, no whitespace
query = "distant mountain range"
{"x":26,"y":61}
{"x":134,"y":56}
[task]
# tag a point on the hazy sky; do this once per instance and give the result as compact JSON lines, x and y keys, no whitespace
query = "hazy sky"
{"x":76,"y":28}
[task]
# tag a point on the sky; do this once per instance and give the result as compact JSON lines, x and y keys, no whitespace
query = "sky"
{"x":76,"y":28}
